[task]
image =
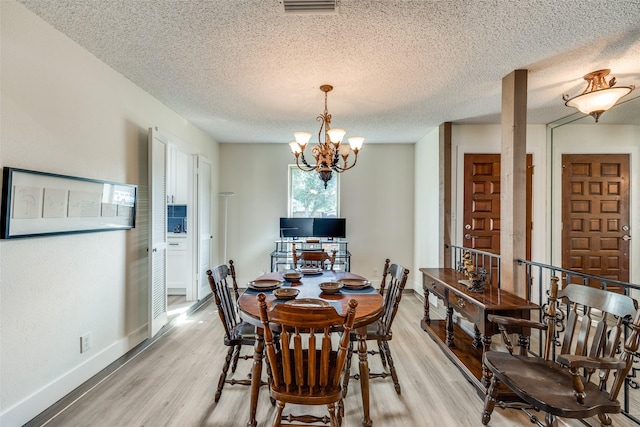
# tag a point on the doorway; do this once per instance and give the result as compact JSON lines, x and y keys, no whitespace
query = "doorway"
{"x":180,"y":236}
{"x":481,"y":221}
{"x":179,"y":214}
{"x":595,"y":215}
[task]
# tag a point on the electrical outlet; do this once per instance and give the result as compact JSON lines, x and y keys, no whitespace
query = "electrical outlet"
{"x":375,"y":272}
{"x":85,"y":342}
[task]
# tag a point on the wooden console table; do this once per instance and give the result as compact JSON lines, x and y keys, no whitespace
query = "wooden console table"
{"x":463,"y":350}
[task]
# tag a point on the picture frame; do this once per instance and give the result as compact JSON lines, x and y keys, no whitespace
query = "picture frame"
{"x":40,"y":204}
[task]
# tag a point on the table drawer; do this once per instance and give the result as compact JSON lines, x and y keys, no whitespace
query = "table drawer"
{"x":435,"y":287}
{"x":465,"y":307}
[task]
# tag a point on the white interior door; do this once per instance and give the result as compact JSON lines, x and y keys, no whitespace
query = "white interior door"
{"x":157,"y":231}
{"x":204,"y":225}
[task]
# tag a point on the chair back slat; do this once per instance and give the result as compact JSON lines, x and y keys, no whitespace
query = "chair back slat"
{"x":281,"y":377}
{"x":298,"y":366}
{"x":584,"y":329}
{"x":298,"y":360}
{"x":324,"y":363}
{"x":393,"y":294}
{"x":312,"y":377}
{"x":226,"y":303}
{"x":613,"y":338}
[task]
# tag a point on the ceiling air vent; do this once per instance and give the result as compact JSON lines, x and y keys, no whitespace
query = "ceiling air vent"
{"x":311,"y":6}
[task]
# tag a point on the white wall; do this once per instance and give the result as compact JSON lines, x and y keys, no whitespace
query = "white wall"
{"x":66,"y":112}
{"x":427,"y":245}
{"x":376,"y":198}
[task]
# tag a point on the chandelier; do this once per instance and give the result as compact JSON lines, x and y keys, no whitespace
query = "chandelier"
{"x":328,"y":152}
{"x":599,"y":95}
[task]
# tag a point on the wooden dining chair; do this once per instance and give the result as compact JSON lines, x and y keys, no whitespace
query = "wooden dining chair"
{"x":306,"y":370}
{"x":313,"y":259}
{"x":583,"y":364}
{"x":236,"y":332}
{"x":380,"y":331}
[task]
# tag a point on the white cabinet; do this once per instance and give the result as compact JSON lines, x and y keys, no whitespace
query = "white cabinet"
{"x":178,"y":272}
{"x":177,"y":176}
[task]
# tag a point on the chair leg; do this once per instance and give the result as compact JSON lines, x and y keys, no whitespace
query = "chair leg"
{"x":269,"y":379}
{"x":347,"y":370}
{"x":332,"y":414}
{"x":392,"y":368}
{"x":223,"y":375}
{"x":490,"y":400}
{"x":550,"y":420}
{"x":381,"y":352}
{"x":605,"y":419}
{"x":277,"y":419}
{"x":340,"y":411}
{"x":236,"y":356}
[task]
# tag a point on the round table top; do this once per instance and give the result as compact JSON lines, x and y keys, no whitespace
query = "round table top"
{"x":370,"y":302}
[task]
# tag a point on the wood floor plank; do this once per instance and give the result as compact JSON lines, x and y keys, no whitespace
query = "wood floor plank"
{"x":173,"y":381}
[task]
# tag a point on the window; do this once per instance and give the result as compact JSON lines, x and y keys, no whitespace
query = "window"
{"x":307,"y":196}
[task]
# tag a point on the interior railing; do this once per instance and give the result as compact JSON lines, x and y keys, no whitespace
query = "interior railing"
{"x":538,"y":277}
{"x":486,"y":261}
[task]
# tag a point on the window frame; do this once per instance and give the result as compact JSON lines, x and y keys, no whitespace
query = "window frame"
{"x":292,"y":167}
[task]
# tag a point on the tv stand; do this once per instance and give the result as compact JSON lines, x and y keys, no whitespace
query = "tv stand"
{"x":282,"y":256}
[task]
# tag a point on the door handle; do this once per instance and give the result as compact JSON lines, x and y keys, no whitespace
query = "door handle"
{"x":626,"y":238}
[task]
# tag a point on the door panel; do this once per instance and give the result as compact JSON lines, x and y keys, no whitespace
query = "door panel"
{"x":595,"y":215}
{"x":157,"y":232}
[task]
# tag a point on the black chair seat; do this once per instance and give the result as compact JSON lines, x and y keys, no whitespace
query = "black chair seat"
{"x":555,"y":398}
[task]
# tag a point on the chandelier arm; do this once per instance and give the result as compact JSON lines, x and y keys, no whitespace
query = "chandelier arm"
{"x":340,"y":169}
{"x":308,"y":167}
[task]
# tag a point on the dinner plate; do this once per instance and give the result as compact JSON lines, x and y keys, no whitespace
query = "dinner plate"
{"x":308,"y":302}
{"x":310,"y":270}
{"x":265,"y":284}
{"x":355,"y":283}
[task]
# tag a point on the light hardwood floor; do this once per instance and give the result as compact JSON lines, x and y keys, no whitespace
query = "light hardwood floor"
{"x":172,"y":383}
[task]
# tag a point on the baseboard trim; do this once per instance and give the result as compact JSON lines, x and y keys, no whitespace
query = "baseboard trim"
{"x":10,"y":417}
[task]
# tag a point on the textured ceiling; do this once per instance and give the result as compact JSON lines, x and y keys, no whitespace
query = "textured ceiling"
{"x":244,"y":71}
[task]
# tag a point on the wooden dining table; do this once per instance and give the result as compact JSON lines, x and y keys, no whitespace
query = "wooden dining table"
{"x":370,"y":308}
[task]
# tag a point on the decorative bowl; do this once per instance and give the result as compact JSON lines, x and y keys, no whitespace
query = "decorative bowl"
{"x":292,"y":277}
{"x":330,"y":287}
{"x":286,"y":293}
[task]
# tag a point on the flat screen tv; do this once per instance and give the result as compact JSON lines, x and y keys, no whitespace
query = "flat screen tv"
{"x":330,"y":227}
{"x":296,"y":227}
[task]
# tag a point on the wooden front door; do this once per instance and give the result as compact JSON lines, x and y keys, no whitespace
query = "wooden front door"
{"x":481,"y":226}
{"x":595,"y":215}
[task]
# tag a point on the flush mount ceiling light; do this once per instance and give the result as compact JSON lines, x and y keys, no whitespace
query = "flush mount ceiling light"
{"x":599,"y":94}
{"x":328,"y":152}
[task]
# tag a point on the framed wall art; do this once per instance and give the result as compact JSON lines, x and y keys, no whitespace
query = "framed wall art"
{"x":39,"y":203}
